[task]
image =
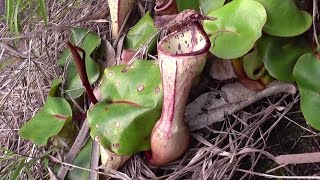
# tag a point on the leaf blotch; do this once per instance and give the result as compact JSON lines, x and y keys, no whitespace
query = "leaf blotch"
{"x":60,"y":117}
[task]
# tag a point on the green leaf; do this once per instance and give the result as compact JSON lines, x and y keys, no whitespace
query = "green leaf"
{"x":133,"y":100}
{"x":253,"y":66}
{"x":18,"y":168}
{"x":15,"y":17}
{"x":238,"y":26}
{"x":281,"y":54}
{"x":144,"y":32}
{"x":207,"y":6}
{"x":306,"y":72}
{"x":187,"y":4}
{"x":82,"y":160}
{"x":47,"y":122}
{"x":9,"y":12}
{"x":88,"y":41}
{"x":121,"y":127}
{"x":139,"y":82}
{"x":43,"y":11}
{"x":285,"y":19}
{"x":309,"y":104}
{"x":55,"y":85}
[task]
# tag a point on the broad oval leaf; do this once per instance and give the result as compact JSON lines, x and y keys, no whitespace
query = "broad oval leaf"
{"x":144,"y":32}
{"x":285,"y":19}
{"x":139,"y":82}
{"x":306,"y":72}
{"x":88,"y":41}
{"x":47,"y":122}
{"x":309,"y":104}
{"x":281,"y":54}
{"x":133,"y":99}
{"x":122,"y":127}
{"x":238,"y":26}
{"x":207,"y":6}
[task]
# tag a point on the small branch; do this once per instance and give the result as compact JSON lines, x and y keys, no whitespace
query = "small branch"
{"x":76,"y":147}
{"x":81,"y":67}
{"x":302,"y":158}
{"x":314,"y":17}
{"x":94,"y":163}
{"x":13,"y":50}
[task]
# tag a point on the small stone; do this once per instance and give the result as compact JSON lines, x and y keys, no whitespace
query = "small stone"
{"x":110,"y":74}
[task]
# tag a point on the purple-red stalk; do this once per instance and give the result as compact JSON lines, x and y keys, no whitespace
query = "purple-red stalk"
{"x":81,"y":66}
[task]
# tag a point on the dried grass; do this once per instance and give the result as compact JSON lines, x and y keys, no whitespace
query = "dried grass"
{"x":232,"y":149}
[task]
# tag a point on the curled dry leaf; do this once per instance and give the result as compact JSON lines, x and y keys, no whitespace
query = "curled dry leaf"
{"x":212,"y":107}
{"x":181,"y":56}
{"x":222,"y":69}
{"x":111,"y":55}
{"x":111,"y":160}
{"x":118,"y":12}
{"x":127,"y":55}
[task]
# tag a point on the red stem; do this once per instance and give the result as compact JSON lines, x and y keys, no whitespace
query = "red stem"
{"x":81,"y":67}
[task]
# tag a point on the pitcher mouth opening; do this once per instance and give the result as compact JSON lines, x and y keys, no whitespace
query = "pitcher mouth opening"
{"x":195,"y":42}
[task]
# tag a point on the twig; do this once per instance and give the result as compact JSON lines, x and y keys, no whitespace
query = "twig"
{"x":74,"y":150}
{"x":314,"y":16}
{"x":277,"y":177}
{"x":298,"y":158}
{"x":94,"y":163}
{"x":99,"y":15}
{"x":13,"y":50}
